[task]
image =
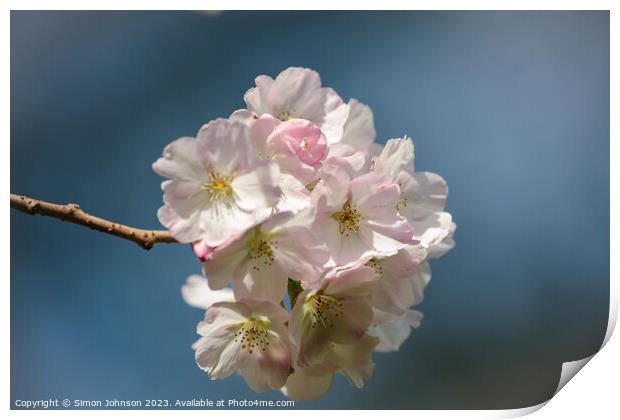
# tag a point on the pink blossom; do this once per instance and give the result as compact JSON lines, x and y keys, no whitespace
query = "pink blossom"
{"x":297,"y":93}
{"x":423,"y":194}
{"x":248,"y":337}
{"x":201,"y":250}
{"x":302,"y":139}
{"x":358,"y":218}
{"x":217,"y":184}
{"x":260,"y":262}
{"x":338,"y":310}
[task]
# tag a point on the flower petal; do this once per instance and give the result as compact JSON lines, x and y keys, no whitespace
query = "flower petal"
{"x":180,"y":161}
{"x":396,"y":156}
{"x":197,"y":293}
{"x":305,"y":385}
{"x":258,"y":187}
{"x":359,"y":130}
{"x":224,"y":146}
{"x":268,"y":369}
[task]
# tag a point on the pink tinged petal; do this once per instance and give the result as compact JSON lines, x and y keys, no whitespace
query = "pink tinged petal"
{"x":424,"y":193}
{"x":221,"y":317}
{"x":355,"y":319}
{"x":299,"y":138}
{"x":391,"y":335}
{"x":221,"y":264}
{"x":218,"y":353}
{"x":277,"y":315}
{"x":353,"y":249}
{"x":396,"y":288}
{"x":257,"y":188}
{"x":359,"y":130}
{"x":335,"y":116}
{"x":180,"y":161}
{"x":352,"y":287}
{"x":357,"y":281}
{"x":227,"y":346}
{"x":256,"y":273}
{"x":432,"y":229}
{"x":396,"y":156}
{"x":208,"y":357}
{"x":376,"y":197}
{"x":224,"y":146}
{"x":381,"y":317}
{"x":386,"y":240}
{"x":220,"y":359}
{"x":381,"y":227}
{"x":354,"y":360}
{"x":405,"y":263}
{"x":201,"y":250}
{"x":419,"y":281}
{"x":222,"y":222}
{"x":291,"y":165}
{"x":414,"y":318}
{"x":183,"y":229}
{"x":296,"y":92}
{"x":341,"y":319}
{"x":295,"y":196}
{"x":393,"y":295}
{"x":327,"y":230}
{"x":348,"y":158}
{"x":300,"y":254}
{"x":439,"y":249}
{"x":310,"y":343}
{"x":306,"y":385}
{"x":197,"y":293}
{"x":333,"y":187}
{"x":260,"y":130}
{"x":259,"y":279}
{"x":267,"y":369}
{"x":243,"y":116}
{"x":201,"y":342}
{"x":256,"y":98}
{"x":390,"y":299}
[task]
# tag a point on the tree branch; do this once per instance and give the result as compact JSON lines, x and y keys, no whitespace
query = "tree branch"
{"x":73,"y":214}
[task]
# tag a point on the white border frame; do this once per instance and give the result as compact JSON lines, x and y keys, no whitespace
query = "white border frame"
{"x":594,"y":392}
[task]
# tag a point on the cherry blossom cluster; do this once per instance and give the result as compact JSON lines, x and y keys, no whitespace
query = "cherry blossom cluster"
{"x":290,"y":203}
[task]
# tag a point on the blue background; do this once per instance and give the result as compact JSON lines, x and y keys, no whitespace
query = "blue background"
{"x":512,"y":108}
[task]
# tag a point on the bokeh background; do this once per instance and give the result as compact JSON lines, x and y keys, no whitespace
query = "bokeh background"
{"x":512,"y":108}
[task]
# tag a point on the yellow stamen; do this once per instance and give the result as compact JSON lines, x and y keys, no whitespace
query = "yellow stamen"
{"x":375,"y":263}
{"x":218,"y":186}
{"x":310,"y":187}
{"x":323,"y":309}
{"x":285,"y":116}
{"x":253,"y":334}
{"x":260,"y":248}
{"x":348,"y":219}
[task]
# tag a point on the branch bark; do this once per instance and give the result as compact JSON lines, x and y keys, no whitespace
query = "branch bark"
{"x":73,"y":214}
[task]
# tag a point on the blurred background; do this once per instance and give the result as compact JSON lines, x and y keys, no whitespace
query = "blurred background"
{"x":511,"y":108}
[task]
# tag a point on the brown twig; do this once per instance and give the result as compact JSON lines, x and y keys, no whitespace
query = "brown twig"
{"x":73,"y":214}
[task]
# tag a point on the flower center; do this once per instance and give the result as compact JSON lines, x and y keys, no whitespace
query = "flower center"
{"x":285,"y":116}
{"x":253,"y":334}
{"x":375,"y":263}
{"x":218,"y":186}
{"x":260,"y":249}
{"x":401,"y":203}
{"x":310,"y":187}
{"x":323,"y":309}
{"x":348,"y":219}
